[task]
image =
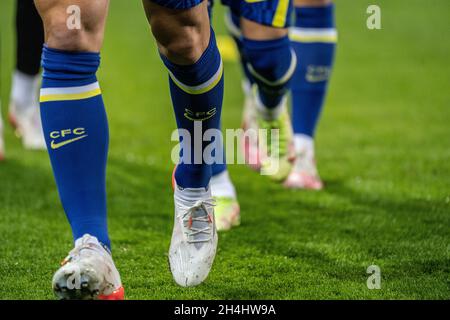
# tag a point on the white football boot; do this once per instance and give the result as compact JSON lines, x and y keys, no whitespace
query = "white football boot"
{"x":24,"y":114}
{"x":304,"y":174}
{"x":194,"y":238}
{"x":88,"y":272}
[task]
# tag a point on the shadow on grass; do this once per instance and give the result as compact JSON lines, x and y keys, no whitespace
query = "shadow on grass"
{"x":337,"y":242}
{"x":373,"y":201}
{"x":288,"y":233}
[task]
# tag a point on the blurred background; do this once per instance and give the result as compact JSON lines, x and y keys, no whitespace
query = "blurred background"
{"x":383,"y":149}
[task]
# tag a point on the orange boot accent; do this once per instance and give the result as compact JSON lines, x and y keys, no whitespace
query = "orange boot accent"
{"x":118,"y":294}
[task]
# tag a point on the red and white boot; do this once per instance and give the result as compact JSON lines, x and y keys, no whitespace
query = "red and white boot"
{"x":88,"y":273}
{"x":304,"y":174}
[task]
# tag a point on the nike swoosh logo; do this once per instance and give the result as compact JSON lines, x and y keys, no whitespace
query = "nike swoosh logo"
{"x":187,"y":116}
{"x":55,"y":146}
{"x":201,"y":116}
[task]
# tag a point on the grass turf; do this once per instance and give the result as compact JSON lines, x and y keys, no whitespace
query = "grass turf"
{"x":383,"y":151}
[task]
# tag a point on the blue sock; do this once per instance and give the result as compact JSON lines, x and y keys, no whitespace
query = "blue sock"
{"x":314,"y":40}
{"x":271,"y":64}
{"x":76,"y":132}
{"x":197,"y":94}
{"x":221,"y":166}
{"x":218,"y":168}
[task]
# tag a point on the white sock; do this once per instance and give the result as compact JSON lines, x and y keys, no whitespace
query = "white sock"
{"x":25,"y":90}
{"x":304,"y":144}
{"x":87,"y":238}
{"x":189,"y":196}
{"x":221,"y":186}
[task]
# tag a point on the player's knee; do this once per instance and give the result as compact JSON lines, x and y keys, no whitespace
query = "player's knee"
{"x":187,"y":47}
{"x":271,"y":62}
{"x":75,"y":33}
{"x":182,"y":35}
{"x":61,"y":37}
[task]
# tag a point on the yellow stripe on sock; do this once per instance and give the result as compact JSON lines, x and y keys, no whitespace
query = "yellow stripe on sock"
{"x":279,"y":20}
{"x":191,"y":90}
{"x":73,"y":96}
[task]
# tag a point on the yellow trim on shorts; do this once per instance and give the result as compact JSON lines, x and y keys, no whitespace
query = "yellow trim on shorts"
{"x":279,"y":20}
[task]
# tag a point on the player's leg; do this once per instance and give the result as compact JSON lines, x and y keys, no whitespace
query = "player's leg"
{"x":271,"y":63}
{"x":24,"y":102}
{"x":314,"y":40}
{"x":188,"y":49}
{"x":249,"y":147}
{"x":76,"y":131}
{"x":226,"y":210}
{"x":233,"y":25}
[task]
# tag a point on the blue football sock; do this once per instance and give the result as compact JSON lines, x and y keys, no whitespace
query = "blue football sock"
{"x":314,"y":40}
{"x":271,"y":64}
{"x":221,"y":165}
{"x":76,"y":131}
{"x":197,"y":94}
{"x":218,"y":168}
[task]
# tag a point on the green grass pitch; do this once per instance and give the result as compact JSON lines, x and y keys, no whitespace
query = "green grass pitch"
{"x":383,"y":151}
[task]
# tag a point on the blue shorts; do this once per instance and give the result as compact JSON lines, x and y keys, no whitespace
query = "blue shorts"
{"x":273,"y":13}
{"x":178,"y":4}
